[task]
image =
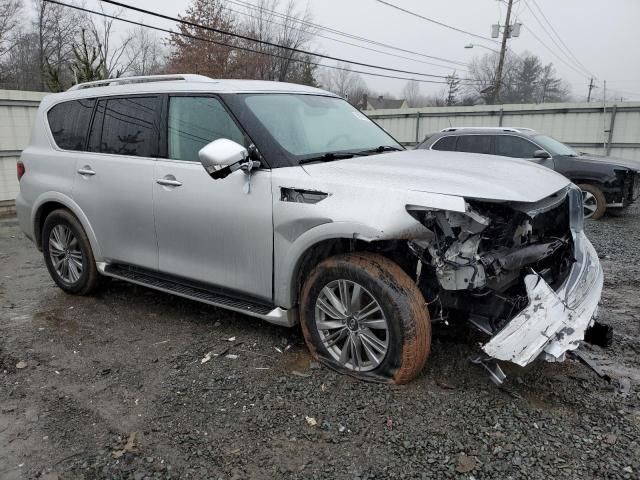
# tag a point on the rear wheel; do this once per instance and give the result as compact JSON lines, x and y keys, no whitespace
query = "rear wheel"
{"x":363,"y":315}
{"x":593,"y":200}
{"x":67,"y":253}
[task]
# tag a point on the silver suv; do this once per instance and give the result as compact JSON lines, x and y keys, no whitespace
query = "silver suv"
{"x":306,"y":212}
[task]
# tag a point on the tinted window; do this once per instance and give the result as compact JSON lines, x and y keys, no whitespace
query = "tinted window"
{"x":69,"y":122}
{"x":446,"y":143}
{"x":474,"y":143}
{"x":510,"y":146}
{"x":126,"y":126}
{"x":196,"y":121}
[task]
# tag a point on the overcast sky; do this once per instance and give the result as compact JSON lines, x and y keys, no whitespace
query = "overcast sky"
{"x":603,"y":36}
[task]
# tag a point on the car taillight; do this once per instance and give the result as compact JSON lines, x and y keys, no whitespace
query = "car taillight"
{"x":20,"y":168}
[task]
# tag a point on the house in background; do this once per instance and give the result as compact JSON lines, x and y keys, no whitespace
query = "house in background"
{"x":381,"y":103}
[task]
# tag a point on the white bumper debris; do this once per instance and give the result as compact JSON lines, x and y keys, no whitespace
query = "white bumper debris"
{"x":553,"y":322}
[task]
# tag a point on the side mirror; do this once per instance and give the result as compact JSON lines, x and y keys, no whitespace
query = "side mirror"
{"x":541,"y":154}
{"x":221,"y":153}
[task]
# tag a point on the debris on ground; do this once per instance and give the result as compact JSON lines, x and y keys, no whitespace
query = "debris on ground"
{"x":21,"y":364}
{"x":465,"y":463}
{"x":389,"y":423}
{"x":131,"y":446}
{"x":206,"y":358}
{"x":312,"y":422}
{"x":231,"y":356}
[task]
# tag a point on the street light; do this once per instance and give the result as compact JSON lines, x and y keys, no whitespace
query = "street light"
{"x":471,"y":45}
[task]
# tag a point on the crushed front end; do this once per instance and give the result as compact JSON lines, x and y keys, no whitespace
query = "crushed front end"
{"x":523,"y":273}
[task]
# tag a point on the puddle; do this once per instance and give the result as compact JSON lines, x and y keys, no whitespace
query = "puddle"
{"x":55,"y":320}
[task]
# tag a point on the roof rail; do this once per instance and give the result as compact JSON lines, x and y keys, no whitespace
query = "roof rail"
{"x":141,"y":79}
{"x":492,"y":129}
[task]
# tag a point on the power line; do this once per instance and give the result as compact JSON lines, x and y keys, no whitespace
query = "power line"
{"x":568,"y":50}
{"x":574,"y":64}
{"x":395,"y":55}
{"x":345,"y":34}
{"x":579,"y":72}
{"x":265,"y":42}
{"x":236,"y":47}
{"x":431,"y":20}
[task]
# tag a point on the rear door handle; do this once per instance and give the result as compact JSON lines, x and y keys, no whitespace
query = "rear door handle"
{"x":167,"y":182}
{"x":86,"y":170}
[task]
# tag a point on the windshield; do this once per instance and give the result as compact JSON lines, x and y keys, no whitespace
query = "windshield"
{"x":306,"y":126}
{"x":554,"y":147}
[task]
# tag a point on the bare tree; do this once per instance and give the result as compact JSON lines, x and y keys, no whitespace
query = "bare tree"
{"x":346,"y":83}
{"x":145,"y":53}
{"x":57,"y":29}
{"x":411,"y":93}
{"x":111,"y":49}
{"x":10,"y":11}
{"x":292,"y":29}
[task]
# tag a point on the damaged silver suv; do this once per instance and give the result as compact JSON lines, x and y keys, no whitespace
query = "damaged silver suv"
{"x":306,"y":212}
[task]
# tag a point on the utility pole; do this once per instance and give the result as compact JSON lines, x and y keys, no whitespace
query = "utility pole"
{"x":503,"y":50}
{"x":591,"y":87}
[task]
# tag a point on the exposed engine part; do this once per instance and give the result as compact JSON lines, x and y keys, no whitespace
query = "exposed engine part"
{"x":476,"y":261}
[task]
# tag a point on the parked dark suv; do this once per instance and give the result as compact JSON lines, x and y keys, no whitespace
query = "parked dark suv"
{"x":606,"y":182}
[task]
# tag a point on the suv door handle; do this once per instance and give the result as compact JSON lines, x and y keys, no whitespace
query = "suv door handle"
{"x":168,"y":182}
{"x":86,"y":170}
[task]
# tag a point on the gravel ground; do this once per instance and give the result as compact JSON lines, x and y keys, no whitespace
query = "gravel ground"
{"x":113,"y":386}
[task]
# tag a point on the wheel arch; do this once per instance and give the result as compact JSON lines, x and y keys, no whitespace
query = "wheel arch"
{"x":297,"y":259}
{"x":47,"y":203}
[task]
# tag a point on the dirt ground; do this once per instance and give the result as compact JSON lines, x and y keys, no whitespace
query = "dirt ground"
{"x":113,"y":386}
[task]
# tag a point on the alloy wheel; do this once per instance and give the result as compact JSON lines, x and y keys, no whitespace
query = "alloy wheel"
{"x":589,"y":203}
{"x":352,"y":325}
{"x":65,"y":253}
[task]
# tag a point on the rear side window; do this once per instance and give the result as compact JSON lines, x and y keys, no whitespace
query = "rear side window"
{"x":196,"y":121}
{"x":445,"y":143}
{"x":126,"y":126}
{"x":69,"y":122}
{"x":510,"y":146}
{"x":474,"y":144}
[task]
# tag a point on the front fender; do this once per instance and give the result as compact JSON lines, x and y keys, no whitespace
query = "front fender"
{"x":68,"y":202}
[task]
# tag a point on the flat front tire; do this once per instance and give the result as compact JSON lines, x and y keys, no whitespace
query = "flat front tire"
{"x":363,"y":315}
{"x":67,"y":253}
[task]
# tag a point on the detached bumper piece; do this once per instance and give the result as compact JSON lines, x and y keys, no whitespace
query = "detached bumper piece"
{"x":553,"y":322}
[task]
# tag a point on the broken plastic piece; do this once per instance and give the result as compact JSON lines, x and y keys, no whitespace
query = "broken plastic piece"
{"x":490,"y":365}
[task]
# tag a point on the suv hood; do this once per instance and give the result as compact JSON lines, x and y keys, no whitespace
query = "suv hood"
{"x":449,"y":173}
{"x":613,"y":161}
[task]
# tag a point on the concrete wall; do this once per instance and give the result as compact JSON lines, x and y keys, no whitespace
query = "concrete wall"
{"x":17,"y":113}
{"x":584,"y":126}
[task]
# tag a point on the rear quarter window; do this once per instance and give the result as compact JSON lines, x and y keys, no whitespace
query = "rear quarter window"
{"x":474,"y":144}
{"x":69,"y":122}
{"x":446,"y":143}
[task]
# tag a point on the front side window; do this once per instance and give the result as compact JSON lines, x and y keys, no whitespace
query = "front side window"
{"x":510,"y":146}
{"x":474,"y":144}
{"x":195,"y":122}
{"x":305,"y":126}
{"x":126,"y":126}
{"x":554,"y":147}
{"x":69,"y":122}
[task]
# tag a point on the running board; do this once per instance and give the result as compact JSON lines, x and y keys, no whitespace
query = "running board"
{"x":271,"y":314}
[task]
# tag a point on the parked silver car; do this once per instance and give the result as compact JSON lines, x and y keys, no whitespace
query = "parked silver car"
{"x":306,"y":211}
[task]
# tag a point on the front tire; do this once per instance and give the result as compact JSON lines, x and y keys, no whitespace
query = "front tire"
{"x":67,"y":253}
{"x":593,"y":200}
{"x":363,"y":315}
